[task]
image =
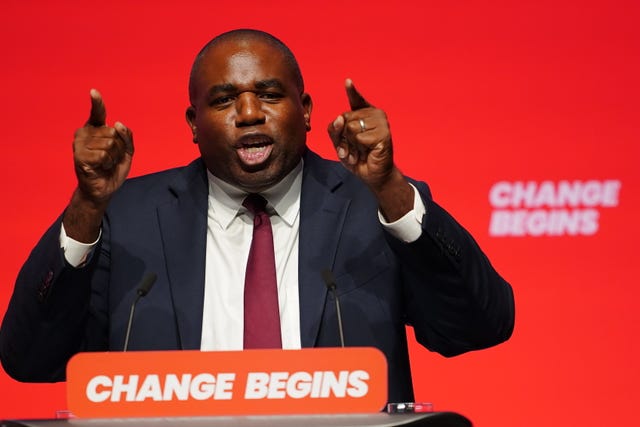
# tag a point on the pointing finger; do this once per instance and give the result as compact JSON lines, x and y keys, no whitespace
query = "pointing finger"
{"x":356,"y":100}
{"x":98,"y":114}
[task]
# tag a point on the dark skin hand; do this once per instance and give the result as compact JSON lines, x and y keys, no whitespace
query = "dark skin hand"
{"x":102,"y":158}
{"x":368,"y":153}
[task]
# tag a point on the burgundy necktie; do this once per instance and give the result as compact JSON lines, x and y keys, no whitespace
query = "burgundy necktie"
{"x":261,"y":311}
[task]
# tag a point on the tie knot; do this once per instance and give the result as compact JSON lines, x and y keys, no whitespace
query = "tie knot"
{"x":255,"y":203}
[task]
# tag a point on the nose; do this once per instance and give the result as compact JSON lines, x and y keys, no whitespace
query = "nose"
{"x":249,"y":110}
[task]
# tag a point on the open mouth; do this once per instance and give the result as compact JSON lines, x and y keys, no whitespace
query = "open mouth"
{"x":254,"y":149}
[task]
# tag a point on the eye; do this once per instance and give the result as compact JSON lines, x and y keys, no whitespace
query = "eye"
{"x":270,"y":96}
{"x":222,"y":101}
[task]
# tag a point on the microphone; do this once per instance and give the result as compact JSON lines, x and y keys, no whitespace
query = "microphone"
{"x":330,"y":282}
{"x":143,"y":289}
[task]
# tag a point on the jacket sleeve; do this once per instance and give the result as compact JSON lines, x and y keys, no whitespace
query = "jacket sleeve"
{"x":51,"y":315}
{"x":455,"y":300}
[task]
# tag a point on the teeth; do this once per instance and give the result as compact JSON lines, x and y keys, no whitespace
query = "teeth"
{"x":254,"y":149}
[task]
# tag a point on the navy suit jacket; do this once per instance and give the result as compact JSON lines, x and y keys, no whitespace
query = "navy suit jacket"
{"x":442,"y":284}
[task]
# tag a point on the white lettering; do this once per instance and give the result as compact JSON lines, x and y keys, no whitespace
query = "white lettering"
{"x":299,"y":385}
{"x":591,"y":193}
{"x":518,"y":194}
{"x":545,"y":195}
{"x":278,"y":385}
{"x":224,"y":388}
{"x":176,"y":387}
{"x":542,"y":222}
{"x":523,"y":194}
{"x":358,"y":386}
{"x":317,"y":384}
{"x":257,"y":385}
{"x":590,"y":222}
{"x":119,"y":387}
{"x":499,"y":194}
{"x":610,"y":193}
{"x":334,"y":385}
{"x":550,"y":208}
{"x":150,"y":388}
{"x":202,"y":386}
{"x":568,"y":194}
{"x":92,"y":388}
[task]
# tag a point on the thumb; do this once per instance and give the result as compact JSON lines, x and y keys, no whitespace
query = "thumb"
{"x":98,"y":114}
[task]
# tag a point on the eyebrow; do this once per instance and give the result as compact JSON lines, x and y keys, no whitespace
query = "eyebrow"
{"x":221,"y":88}
{"x":260,"y":85}
{"x":269,"y":84}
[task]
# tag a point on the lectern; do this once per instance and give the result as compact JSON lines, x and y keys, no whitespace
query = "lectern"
{"x":433,"y":419}
{"x":321,"y":387}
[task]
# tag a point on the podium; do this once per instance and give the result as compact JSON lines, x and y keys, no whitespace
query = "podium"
{"x":432,"y":419}
{"x":320,"y":387}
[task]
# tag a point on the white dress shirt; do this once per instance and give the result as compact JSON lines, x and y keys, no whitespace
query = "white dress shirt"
{"x":229,"y":234}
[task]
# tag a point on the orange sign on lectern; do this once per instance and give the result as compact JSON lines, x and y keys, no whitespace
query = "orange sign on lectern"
{"x":250,"y":382}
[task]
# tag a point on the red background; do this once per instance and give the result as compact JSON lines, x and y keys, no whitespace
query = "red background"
{"x":476,"y":92}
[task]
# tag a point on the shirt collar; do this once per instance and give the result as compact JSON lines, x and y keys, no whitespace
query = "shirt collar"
{"x":283,"y":199}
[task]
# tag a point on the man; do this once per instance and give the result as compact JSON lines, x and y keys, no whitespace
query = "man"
{"x":398,"y":258}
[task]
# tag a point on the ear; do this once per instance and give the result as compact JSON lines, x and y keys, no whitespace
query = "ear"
{"x":190,"y":115}
{"x":307,"y":105}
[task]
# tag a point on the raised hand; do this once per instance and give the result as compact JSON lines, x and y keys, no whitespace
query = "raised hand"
{"x":102,"y":158}
{"x":102,"y":155}
{"x":362,"y":140}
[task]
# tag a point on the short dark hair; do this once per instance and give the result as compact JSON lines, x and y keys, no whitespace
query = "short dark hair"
{"x":248,"y":34}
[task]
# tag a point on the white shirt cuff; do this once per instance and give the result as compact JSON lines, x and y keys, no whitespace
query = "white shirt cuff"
{"x":76,"y":253}
{"x":409,"y":227}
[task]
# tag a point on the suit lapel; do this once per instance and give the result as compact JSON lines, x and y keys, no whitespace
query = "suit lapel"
{"x":322,"y":215}
{"x":183,"y":225}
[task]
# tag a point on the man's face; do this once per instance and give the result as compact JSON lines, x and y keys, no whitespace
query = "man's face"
{"x":249,"y":116}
